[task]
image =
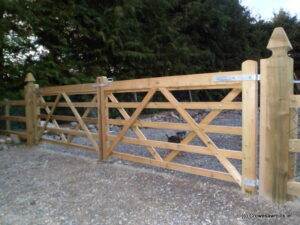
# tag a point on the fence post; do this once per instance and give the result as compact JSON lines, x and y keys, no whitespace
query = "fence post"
{"x":102,"y":117}
{"x":31,"y":110}
{"x":7,"y":113}
{"x":249,"y":121}
{"x":276,"y":88}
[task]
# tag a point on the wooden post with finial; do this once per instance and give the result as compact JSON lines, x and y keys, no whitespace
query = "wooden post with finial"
{"x":276,"y":88}
{"x":31,"y":110}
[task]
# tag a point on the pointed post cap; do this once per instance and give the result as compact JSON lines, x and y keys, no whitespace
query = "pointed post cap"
{"x":29,"y":78}
{"x":279,"y":39}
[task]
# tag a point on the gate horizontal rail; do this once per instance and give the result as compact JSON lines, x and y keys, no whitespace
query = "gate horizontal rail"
{"x":8,"y":105}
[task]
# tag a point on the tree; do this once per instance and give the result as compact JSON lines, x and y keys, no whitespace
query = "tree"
{"x":83,"y":39}
{"x":14,"y":43}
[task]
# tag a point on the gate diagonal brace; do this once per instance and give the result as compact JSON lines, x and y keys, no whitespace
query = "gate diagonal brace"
{"x":136,"y":129}
{"x":204,"y":122}
{"x":202,"y":135}
{"x":132,"y":119}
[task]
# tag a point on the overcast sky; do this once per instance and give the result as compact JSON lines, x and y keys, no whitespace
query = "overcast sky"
{"x":266,"y":8}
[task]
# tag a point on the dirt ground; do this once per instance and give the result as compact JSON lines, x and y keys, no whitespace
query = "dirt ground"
{"x":42,"y":186}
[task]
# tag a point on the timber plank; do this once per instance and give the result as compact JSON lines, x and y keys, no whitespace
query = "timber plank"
{"x":185,"y":105}
{"x":175,"y":166}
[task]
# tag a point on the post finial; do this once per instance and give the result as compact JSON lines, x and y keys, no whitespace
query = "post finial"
{"x":29,"y":78}
{"x":279,"y":39}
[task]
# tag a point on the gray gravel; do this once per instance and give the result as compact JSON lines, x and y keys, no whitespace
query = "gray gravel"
{"x":41,"y":186}
{"x":51,"y":184}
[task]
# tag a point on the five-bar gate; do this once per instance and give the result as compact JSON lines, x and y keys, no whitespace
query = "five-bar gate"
{"x":234,"y":81}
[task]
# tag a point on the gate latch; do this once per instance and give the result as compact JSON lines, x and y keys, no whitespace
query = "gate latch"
{"x":233,"y":78}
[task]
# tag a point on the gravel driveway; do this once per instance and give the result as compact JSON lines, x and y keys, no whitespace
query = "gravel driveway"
{"x":42,"y":186}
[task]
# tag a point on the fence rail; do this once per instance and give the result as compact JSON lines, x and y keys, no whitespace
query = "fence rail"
{"x":13,"y":103}
{"x":8,"y":118}
{"x":69,"y":89}
{"x":190,"y":82}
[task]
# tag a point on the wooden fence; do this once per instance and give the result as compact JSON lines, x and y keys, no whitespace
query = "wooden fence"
{"x":8,"y":118}
{"x":49,"y":110}
{"x":85,"y":123}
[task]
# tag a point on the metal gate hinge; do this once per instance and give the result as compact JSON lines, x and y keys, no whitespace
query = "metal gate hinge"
{"x":250,"y":182}
{"x":243,"y":77}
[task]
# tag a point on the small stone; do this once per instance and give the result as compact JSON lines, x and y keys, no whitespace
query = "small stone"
{"x":3,"y":147}
{"x":73,"y":124}
{"x":49,"y":124}
{"x":32,"y":202}
{"x":56,"y":137}
{"x":15,"y":139}
{"x":8,"y":140}
{"x":91,"y":126}
{"x":174,"y":115}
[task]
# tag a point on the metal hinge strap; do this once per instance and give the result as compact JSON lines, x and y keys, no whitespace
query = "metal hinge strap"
{"x":233,"y":78}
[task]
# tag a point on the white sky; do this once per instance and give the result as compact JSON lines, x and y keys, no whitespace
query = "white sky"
{"x":266,"y":8}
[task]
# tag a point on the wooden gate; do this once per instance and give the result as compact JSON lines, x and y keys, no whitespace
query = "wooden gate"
{"x":236,"y":82}
{"x":78,"y":105}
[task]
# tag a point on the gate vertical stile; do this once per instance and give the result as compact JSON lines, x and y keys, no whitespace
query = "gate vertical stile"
{"x":102,"y":117}
{"x":249,"y":127}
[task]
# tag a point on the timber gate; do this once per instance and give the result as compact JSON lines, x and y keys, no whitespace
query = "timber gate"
{"x":74,"y":104}
{"x":235,"y":82}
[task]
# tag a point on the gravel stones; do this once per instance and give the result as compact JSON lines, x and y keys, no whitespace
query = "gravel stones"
{"x":39,"y":186}
{"x":6,"y":141}
{"x":3,"y":147}
{"x":3,"y":143}
{"x":15,"y":139}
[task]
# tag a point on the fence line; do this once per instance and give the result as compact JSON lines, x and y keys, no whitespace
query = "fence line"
{"x":8,"y":118}
{"x":90,"y":105}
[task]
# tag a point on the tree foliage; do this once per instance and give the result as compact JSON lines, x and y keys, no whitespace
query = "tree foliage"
{"x":124,"y":39}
